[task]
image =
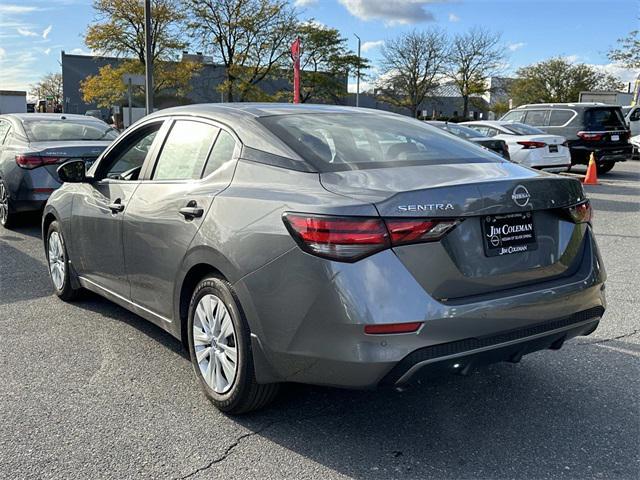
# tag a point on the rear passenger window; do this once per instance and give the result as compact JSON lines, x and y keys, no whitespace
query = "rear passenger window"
{"x":4,"y":128}
{"x":185,"y":151}
{"x":222,"y":152}
{"x":560,"y":117}
{"x":635,"y":116}
{"x":514,"y":116}
{"x":536,"y":117}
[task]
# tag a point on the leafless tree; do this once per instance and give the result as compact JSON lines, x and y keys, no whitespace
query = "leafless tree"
{"x":474,"y":57}
{"x":412,"y":66}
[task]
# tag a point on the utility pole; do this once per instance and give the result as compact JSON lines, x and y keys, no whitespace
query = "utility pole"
{"x":148,"y":58}
{"x":358,"y":74}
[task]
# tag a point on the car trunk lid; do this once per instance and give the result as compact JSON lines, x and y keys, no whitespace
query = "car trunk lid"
{"x":54,"y":154}
{"x":480,"y":195}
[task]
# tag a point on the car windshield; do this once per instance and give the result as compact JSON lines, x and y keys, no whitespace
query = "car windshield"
{"x":336,"y":142}
{"x":42,"y":130}
{"x":460,"y":130}
{"x":521,"y":129}
{"x":604,"y":119}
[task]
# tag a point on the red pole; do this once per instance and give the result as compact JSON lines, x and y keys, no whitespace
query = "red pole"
{"x":295,"y":52}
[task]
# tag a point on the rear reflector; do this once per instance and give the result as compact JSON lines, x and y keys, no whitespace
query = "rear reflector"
{"x":526,"y":145}
{"x":581,"y":213}
{"x":349,"y":239}
{"x":390,"y":328}
{"x":33,"y":161}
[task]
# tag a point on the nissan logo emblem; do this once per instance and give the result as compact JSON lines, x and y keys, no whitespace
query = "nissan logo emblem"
{"x":520,"y":196}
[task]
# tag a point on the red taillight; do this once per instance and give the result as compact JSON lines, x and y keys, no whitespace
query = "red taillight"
{"x":349,"y":239}
{"x":391,"y":328}
{"x":591,"y":137}
{"x":338,"y":238}
{"x":414,"y":231}
{"x":581,"y":213}
{"x":527,"y":145}
{"x":33,"y":161}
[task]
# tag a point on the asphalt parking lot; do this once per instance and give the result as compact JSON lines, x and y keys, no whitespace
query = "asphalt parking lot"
{"x":89,"y":390}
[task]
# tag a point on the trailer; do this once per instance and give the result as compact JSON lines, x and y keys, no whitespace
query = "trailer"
{"x":608,"y":97}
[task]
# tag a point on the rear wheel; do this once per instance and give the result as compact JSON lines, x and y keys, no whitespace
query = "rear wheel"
{"x":220,"y":350}
{"x":58,"y":261}
{"x":605,"y":167}
{"x":6,"y":216}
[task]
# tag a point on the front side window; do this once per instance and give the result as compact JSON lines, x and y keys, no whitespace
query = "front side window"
{"x":635,"y":116}
{"x":353,"y":141}
{"x":127,"y":164}
{"x":64,"y":129}
{"x":185,"y":151}
{"x":513,"y":116}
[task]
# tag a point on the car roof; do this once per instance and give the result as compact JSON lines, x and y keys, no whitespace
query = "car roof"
{"x":565,"y":105}
{"x":50,"y":116}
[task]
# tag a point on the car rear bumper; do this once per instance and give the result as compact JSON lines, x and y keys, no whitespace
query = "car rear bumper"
{"x":307,"y":318}
{"x":620,"y":153}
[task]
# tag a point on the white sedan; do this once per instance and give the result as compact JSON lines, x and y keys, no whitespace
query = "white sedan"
{"x":528,"y":145}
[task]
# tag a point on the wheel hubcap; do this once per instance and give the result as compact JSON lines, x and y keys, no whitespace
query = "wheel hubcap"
{"x":4,"y":204}
{"x":56,"y":260}
{"x":214,"y":341}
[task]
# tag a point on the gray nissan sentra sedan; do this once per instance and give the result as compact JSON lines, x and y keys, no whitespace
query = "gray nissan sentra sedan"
{"x":325,"y":245}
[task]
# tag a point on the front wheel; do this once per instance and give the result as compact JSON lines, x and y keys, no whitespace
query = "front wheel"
{"x":220,"y":350}
{"x":58,"y":261}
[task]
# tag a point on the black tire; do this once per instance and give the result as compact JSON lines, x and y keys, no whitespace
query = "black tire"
{"x":66,"y":292}
{"x":605,"y":167}
{"x":6,"y":212}
{"x":245,"y":394}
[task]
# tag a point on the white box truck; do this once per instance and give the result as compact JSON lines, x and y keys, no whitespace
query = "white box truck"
{"x":12,"y":101}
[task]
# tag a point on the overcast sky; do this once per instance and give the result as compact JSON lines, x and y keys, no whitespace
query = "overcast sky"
{"x":33,"y":32}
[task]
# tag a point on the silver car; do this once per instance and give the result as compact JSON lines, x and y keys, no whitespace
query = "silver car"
{"x":33,"y":146}
{"x":325,"y":245}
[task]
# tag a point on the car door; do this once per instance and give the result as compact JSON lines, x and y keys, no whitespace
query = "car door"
{"x":100,"y":204}
{"x":194,"y":164}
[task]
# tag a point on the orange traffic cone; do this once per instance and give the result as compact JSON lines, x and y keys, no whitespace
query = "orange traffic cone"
{"x":591,"y":178}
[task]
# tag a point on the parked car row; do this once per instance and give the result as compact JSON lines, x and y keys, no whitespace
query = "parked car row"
{"x":587,"y":127}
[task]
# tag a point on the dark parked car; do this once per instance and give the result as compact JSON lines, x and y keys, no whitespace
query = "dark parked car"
{"x":326,"y":245}
{"x":33,"y":146}
{"x":588,"y":127}
{"x":497,"y":145}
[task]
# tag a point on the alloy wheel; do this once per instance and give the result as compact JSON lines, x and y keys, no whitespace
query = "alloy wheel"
{"x":215,"y":345}
{"x":56,"y":260}
{"x":4,"y":204}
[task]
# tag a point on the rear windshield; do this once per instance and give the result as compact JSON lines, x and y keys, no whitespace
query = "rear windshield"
{"x":461,"y":131}
{"x":522,"y":129}
{"x":335,"y":142}
{"x":604,"y":119}
{"x":39,"y":130}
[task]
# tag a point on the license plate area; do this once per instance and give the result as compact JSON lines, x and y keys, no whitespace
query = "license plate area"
{"x":508,"y":234}
{"x":553,"y":148}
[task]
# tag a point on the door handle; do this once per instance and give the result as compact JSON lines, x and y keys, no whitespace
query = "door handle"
{"x":116,"y":206}
{"x":191,"y":211}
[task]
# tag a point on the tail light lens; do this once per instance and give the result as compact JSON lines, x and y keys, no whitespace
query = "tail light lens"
{"x":349,"y":239}
{"x":33,"y":161}
{"x":416,"y":231}
{"x":527,"y":145}
{"x":581,"y":213}
{"x":590,"y":137}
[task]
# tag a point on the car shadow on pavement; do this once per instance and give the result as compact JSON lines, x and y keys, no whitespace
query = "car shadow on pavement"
{"x":568,"y":414}
{"x":22,"y":277}
{"x":97,"y":304}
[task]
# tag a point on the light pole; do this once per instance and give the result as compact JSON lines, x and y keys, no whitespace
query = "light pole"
{"x":148,"y":58}
{"x":358,"y":74}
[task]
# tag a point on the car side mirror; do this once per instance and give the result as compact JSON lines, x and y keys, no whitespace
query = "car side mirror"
{"x":73,"y":171}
